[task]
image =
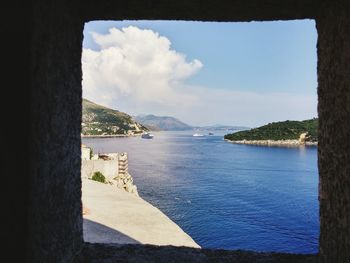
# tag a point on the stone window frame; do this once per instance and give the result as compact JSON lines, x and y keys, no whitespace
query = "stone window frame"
{"x":56,"y":112}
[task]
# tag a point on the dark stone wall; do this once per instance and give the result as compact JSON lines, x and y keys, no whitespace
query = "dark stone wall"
{"x":95,"y":253}
{"x":333,"y":48}
{"x":201,"y":10}
{"x":15,"y":120}
{"x":55,"y":221}
{"x":51,"y":207}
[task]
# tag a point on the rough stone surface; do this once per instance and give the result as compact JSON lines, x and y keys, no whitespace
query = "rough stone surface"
{"x":55,"y":221}
{"x":53,"y":187}
{"x":202,"y":10}
{"x":333,"y":49}
{"x":170,"y":254}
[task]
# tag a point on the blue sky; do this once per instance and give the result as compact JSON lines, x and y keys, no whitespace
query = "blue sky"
{"x":231,"y":73}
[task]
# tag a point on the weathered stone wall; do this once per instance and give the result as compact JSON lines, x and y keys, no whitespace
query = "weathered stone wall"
{"x":109,"y":168}
{"x":96,"y":253}
{"x":333,"y":48}
{"x":54,"y":184}
{"x":114,"y":166}
{"x":202,"y":10}
{"x":55,"y":213}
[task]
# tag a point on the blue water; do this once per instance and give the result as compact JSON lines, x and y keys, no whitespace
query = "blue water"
{"x":226,"y":195}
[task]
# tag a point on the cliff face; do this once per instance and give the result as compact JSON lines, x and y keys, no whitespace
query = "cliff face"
{"x":100,"y":120}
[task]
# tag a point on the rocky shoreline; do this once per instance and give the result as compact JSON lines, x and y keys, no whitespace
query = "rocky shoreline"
{"x":285,"y":143}
{"x":110,"y":136}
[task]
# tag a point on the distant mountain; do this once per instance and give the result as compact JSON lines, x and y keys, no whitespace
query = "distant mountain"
{"x":284,"y":130}
{"x":100,"y":120}
{"x":164,"y":123}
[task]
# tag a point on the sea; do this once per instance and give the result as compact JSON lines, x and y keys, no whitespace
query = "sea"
{"x":225,"y":195}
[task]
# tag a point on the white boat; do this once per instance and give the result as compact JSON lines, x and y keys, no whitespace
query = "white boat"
{"x":198,"y":135}
{"x":147,"y":135}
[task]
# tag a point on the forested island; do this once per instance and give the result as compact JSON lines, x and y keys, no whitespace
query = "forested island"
{"x":284,"y":132}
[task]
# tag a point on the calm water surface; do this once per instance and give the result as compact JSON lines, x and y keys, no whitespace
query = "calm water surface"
{"x":226,"y":195}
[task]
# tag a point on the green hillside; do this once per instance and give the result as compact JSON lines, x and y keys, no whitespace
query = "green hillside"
{"x":285,"y":130}
{"x":100,"y":120}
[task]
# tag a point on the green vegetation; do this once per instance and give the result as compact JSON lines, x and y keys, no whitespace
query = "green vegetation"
{"x":100,"y":120}
{"x":285,"y":130}
{"x":99,"y":177}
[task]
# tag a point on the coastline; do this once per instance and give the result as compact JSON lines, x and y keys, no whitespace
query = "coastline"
{"x":284,"y":143}
{"x":110,"y":136}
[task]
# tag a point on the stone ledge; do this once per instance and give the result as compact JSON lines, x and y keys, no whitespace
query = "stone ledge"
{"x":167,"y":254}
{"x":116,"y":216}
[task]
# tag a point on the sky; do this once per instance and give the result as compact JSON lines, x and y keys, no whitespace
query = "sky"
{"x":203,"y":73}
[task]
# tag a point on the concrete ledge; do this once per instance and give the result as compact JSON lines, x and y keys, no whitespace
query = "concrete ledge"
{"x":116,"y":216}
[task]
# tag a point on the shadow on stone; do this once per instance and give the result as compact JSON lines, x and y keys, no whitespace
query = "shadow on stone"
{"x":170,"y":254}
{"x":97,"y":233}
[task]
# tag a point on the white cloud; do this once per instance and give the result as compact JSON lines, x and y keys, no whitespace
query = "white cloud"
{"x":136,"y":71}
{"x":136,"y":65}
